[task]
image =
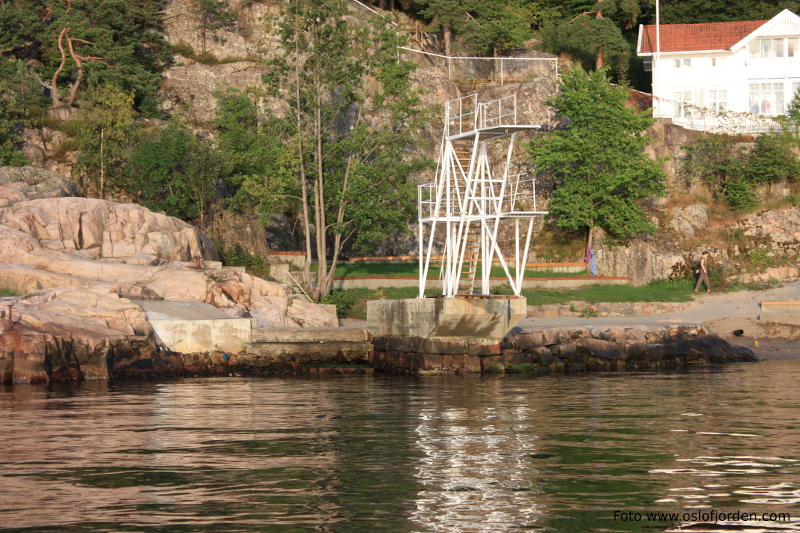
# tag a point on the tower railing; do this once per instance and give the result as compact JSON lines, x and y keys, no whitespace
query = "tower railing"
{"x":502,"y":111}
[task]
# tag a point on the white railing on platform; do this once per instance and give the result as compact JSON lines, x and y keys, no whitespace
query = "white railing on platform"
{"x":461,"y":114}
{"x":466,"y":114}
{"x":502,"y":111}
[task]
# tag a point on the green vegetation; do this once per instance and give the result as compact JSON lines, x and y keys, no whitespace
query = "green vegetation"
{"x":354,"y":182}
{"x":4,"y":293}
{"x":597,"y":161}
{"x":353,"y":303}
{"x":732,"y":169}
{"x":176,"y":172}
{"x":102,"y":136}
{"x":255,"y":265}
{"x":655,"y":291}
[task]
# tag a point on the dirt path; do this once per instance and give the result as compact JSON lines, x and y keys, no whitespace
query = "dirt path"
{"x":706,"y":308}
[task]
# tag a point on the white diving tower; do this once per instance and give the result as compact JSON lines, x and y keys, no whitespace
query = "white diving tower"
{"x":470,"y":205}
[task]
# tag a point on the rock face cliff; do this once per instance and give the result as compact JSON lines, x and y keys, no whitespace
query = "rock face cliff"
{"x":87,"y":261}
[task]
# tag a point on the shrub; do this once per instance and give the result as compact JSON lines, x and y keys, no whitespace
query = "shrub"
{"x":254,"y":264}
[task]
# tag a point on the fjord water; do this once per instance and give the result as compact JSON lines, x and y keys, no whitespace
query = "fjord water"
{"x":387,"y":453}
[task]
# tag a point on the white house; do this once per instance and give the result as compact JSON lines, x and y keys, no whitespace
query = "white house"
{"x":750,"y":66}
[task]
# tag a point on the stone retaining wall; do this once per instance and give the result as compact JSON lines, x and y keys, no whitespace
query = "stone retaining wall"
{"x":558,"y":350}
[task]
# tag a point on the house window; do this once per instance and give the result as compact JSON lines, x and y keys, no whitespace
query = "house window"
{"x":774,"y":47}
{"x":792,"y":46}
{"x":685,"y":62}
{"x":766,"y":98}
{"x":718,"y":100}
{"x":718,"y":61}
{"x":683,"y":103}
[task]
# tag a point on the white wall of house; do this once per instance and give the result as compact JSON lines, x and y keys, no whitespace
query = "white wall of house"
{"x":760,"y":74}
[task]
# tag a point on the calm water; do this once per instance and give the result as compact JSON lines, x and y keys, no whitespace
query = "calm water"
{"x":403,"y":454}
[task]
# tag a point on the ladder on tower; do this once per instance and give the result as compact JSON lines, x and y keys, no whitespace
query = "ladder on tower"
{"x":472,"y":252}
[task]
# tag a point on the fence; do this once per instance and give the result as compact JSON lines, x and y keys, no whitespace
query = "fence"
{"x":500,"y":70}
{"x":699,"y":118}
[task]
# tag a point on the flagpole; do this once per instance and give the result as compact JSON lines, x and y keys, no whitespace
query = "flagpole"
{"x":658,"y":31}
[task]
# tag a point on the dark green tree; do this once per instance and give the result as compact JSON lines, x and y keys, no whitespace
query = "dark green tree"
{"x":91,"y":43}
{"x":720,"y":161}
{"x":594,"y":34}
{"x":773,"y":159}
{"x":10,"y":138}
{"x":447,"y":16}
{"x":694,"y":11}
{"x":175,"y":172}
{"x":498,"y":25}
{"x":256,"y":164}
{"x":596,"y":160}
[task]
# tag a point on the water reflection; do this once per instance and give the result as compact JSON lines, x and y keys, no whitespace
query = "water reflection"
{"x":404,"y":454}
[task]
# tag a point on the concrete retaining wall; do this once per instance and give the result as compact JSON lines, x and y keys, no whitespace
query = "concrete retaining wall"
{"x":191,"y":336}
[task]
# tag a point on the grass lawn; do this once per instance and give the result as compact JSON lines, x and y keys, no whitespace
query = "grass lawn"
{"x":412,"y":269}
{"x":353,"y":303}
{"x":655,"y":291}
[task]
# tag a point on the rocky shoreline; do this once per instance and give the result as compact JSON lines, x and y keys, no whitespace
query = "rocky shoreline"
{"x":38,"y":358}
{"x":560,"y":350}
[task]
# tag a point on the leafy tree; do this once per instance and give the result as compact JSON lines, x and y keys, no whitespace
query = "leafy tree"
{"x":773,"y":159}
{"x":104,"y":132}
{"x":352,"y":116}
{"x":256,"y":163}
{"x":597,"y":160}
{"x":212,"y":15}
{"x":175,"y":172}
{"x":720,"y":161}
{"x":10,"y":138}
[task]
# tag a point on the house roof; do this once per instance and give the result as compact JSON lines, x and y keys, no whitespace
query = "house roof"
{"x":696,"y":37}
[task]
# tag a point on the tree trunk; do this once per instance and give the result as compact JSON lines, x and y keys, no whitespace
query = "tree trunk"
{"x":447,"y":38}
{"x":102,"y":162}
{"x":319,"y":194}
{"x":599,"y":62}
{"x":301,"y":157}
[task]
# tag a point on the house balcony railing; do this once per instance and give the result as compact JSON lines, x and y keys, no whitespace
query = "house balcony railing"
{"x":711,"y":120}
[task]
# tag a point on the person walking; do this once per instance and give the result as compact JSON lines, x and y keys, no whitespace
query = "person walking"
{"x":702,"y":273}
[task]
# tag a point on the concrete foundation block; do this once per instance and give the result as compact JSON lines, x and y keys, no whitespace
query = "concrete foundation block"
{"x":490,"y":317}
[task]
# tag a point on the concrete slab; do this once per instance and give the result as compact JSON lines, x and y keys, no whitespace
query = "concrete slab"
{"x":489,"y":317}
{"x":781,"y":312}
{"x":191,"y":327}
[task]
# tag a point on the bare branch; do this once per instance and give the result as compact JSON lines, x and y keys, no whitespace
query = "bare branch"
{"x":53,"y":84}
